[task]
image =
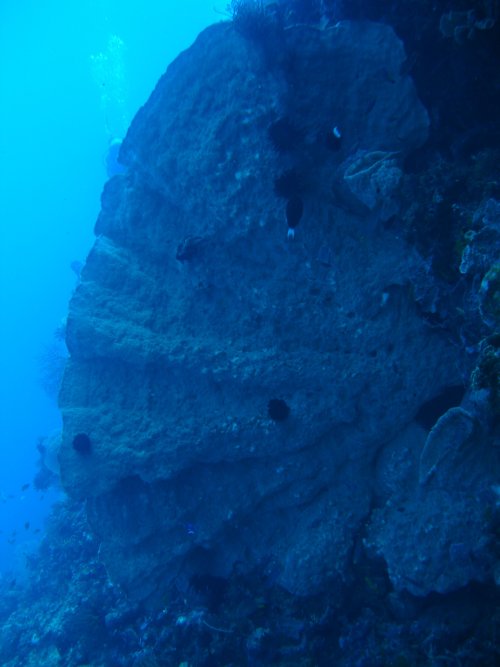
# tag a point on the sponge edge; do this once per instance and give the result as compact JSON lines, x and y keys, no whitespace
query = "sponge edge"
{"x":449,"y":435}
{"x":113,"y":164}
{"x":50,"y":452}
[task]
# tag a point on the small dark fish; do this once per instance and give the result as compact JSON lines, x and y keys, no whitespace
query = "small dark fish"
{"x":26,"y":525}
{"x":334,"y":139}
{"x":37,"y":530}
{"x":25,"y":487}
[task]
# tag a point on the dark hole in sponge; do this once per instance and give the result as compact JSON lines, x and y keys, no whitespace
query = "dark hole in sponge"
{"x":430,"y":411}
{"x":210,"y":589}
{"x":289,"y":183}
{"x":294,"y":210}
{"x":278,"y":409}
{"x":81,"y":443}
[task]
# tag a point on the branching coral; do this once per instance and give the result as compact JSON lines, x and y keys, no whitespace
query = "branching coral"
{"x":254,"y":19}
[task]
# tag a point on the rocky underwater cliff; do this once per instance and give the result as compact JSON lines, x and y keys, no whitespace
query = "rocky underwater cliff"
{"x":280,"y":412}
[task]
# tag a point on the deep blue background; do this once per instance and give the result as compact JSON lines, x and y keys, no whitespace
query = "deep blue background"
{"x":57,"y":115}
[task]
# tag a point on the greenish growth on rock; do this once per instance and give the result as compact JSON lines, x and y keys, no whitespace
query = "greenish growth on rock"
{"x":489,"y":295}
{"x":486,"y":375}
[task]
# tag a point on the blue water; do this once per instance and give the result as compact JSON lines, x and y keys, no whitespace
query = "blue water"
{"x":72,"y":76}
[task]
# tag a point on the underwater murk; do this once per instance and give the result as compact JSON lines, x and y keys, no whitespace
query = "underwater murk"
{"x":270,"y":425}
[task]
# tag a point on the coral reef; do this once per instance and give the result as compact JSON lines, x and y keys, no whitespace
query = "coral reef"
{"x":284,"y":453}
